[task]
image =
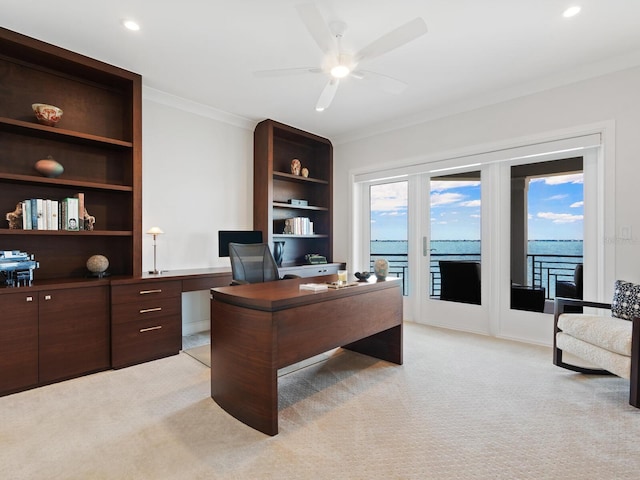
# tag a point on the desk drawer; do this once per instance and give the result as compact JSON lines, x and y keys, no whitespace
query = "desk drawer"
{"x":136,"y":292}
{"x":145,"y":339}
{"x":147,"y":309}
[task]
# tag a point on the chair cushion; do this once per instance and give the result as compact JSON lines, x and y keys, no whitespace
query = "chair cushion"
{"x":609,"y":333}
{"x":626,"y":300}
{"x":615,"y":363}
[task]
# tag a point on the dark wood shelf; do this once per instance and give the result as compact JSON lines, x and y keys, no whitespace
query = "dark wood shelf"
{"x":38,"y":130}
{"x":33,"y":180}
{"x":90,"y":233}
{"x":298,"y":178}
{"x":299,"y":207}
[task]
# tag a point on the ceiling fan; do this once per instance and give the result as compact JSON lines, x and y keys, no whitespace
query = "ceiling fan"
{"x":338,"y":63}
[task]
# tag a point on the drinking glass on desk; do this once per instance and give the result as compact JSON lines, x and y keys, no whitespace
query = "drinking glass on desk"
{"x":342,"y":277}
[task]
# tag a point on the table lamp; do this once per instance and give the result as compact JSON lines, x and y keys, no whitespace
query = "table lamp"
{"x":155,"y":231}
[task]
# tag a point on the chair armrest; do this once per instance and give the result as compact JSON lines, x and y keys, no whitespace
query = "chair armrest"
{"x":561,"y":302}
{"x":239,"y":282}
{"x":290,"y":276}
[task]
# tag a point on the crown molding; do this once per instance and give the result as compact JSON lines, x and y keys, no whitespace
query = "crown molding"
{"x":168,"y":99}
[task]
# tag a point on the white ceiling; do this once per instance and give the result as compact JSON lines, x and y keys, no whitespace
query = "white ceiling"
{"x":476,"y":52}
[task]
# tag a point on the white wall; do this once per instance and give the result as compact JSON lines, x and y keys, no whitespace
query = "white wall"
{"x":613,"y":97}
{"x":197,"y":178}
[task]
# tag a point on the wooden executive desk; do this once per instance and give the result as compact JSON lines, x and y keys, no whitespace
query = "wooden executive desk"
{"x":257,"y":329}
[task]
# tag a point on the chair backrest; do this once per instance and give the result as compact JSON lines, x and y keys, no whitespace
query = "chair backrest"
{"x":460,"y":281}
{"x":252,"y":262}
{"x":577,"y":279}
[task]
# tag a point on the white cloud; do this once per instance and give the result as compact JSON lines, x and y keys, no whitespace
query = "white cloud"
{"x":577,"y":204}
{"x":560,"y":217}
{"x":560,"y":179}
{"x":558,"y":197}
{"x":445,"y":198}
{"x":389,"y":197}
{"x":470,"y":203}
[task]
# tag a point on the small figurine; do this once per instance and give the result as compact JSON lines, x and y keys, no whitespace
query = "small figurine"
{"x":15,"y":218}
{"x":295,"y":166}
{"x":305,"y":172}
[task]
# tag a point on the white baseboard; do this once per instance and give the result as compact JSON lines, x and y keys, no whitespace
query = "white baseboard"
{"x":195,"y":327}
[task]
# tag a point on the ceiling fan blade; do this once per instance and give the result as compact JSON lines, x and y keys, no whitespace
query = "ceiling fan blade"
{"x":383,"y":82}
{"x":326,"y":97}
{"x":392,"y":40}
{"x":317,"y":27}
{"x":285,"y":72}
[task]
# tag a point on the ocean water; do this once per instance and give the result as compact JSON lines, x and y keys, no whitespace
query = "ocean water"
{"x":472,"y":247}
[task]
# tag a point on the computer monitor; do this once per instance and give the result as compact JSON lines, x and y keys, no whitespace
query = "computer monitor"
{"x":225,"y":237}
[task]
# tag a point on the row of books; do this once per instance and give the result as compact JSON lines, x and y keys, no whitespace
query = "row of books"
{"x":46,"y":214}
{"x":298,"y":226}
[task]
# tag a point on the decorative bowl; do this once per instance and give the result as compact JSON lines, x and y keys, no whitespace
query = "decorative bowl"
{"x":47,"y":114}
{"x":362,"y":276}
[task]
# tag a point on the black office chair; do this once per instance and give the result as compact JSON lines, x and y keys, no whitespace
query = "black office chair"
{"x":253,"y":263}
{"x":460,"y":281}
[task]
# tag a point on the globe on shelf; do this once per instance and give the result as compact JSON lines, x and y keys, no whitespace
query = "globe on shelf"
{"x":97,"y":265}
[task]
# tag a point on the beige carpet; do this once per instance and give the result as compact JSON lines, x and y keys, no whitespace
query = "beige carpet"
{"x":462,"y":407}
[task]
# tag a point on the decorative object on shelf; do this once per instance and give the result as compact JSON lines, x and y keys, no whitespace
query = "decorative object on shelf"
{"x":155,"y":231}
{"x":295,"y":201}
{"x":87,"y":220}
{"x":381,"y":269}
{"x":295,"y":166}
{"x":278,"y":251}
{"x":315,"y":259}
{"x":97,"y":265}
{"x":47,"y":114}
{"x":49,"y":167}
{"x":305,"y":172}
{"x":362,"y":276}
{"x":15,"y":218}
{"x":17,"y":268}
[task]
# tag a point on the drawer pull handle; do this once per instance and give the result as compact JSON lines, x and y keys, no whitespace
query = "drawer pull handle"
{"x":158,"y":327}
{"x":29,"y":299}
{"x":47,"y":297}
{"x":145,"y":292}
{"x":147,"y":310}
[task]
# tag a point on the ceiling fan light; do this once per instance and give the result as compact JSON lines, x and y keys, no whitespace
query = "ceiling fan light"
{"x":340,"y":71}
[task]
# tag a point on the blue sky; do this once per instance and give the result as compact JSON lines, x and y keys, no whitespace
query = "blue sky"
{"x":555,"y":209}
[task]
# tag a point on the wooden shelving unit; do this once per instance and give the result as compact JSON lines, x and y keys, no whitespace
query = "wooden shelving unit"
{"x":275,"y":146}
{"x":98,"y":142}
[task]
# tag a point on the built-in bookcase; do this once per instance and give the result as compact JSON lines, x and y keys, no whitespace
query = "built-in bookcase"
{"x":275,"y":146}
{"x":97,"y":141}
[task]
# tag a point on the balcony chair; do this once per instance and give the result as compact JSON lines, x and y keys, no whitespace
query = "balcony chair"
{"x":253,"y":263}
{"x":460,"y":281}
{"x":610,"y":343}
{"x":571,"y":289}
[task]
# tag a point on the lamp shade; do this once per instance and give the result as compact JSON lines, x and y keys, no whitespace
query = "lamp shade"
{"x":154,"y":231}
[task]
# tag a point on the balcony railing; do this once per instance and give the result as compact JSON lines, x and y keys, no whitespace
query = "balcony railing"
{"x":542,"y":270}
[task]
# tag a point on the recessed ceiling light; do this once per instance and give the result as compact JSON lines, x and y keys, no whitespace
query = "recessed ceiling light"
{"x":571,"y":11}
{"x":131,"y":25}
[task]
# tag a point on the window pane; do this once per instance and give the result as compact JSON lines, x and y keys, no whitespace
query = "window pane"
{"x":455,"y":238}
{"x":388,"y":206}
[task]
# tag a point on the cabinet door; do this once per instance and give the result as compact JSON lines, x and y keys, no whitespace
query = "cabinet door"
{"x":74,"y":332}
{"x":18,"y":341}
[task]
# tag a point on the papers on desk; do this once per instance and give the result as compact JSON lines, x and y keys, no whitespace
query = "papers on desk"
{"x":314,"y":287}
